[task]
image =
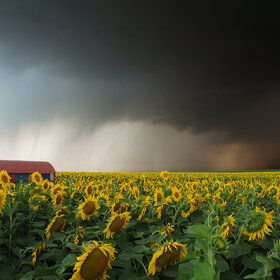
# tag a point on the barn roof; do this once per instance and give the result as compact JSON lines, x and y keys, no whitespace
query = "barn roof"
{"x":21,"y":166}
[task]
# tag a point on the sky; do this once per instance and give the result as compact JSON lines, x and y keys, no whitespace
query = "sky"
{"x":140,"y":85}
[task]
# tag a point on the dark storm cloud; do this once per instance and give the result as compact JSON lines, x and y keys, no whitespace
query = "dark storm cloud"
{"x":199,"y":65}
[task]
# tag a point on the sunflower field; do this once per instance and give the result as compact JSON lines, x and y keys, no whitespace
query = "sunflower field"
{"x":161,"y":226}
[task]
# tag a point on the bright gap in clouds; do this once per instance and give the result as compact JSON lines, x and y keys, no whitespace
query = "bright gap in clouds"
{"x":122,"y":146}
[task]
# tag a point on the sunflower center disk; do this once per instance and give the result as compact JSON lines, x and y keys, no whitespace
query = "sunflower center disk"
{"x":169,"y":256}
{"x":117,"y":224}
{"x":4,"y":179}
{"x":58,"y":225}
{"x":94,"y":265}
{"x":89,"y":208}
{"x":58,"y":199}
{"x":117,"y":206}
{"x":256,"y":222}
{"x":159,"y":197}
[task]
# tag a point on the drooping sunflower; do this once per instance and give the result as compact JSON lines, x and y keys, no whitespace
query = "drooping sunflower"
{"x":88,"y":208}
{"x":38,"y":251}
{"x":169,"y":253}
{"x":227,"y":226}
{"x":147,"y":202}
{"x":259,"y":224}
{"x":61,"y":211}
{"x":57,"y":224}
{"x":79,"y":237}
{"x":37,"y":178}
{"x":2,"y":200}
{"x":168,"y":229}
{"x":117,"y":223}
{"x":163,"y":207}
{"x":4,"y":178}
{"x":94,"y":263}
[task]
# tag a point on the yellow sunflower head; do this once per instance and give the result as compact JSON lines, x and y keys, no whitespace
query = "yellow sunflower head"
{"x":89,"y":189}
{"x":2,"y":200}
{"x":117,"y":223}
{"x":45,"y":186}
{"x":57,"y":224}
{"x":176,"y":194}
{"x":169,"y":253}
{"x":258,"y":225}
{"x":58,"y":199}
{"x":164,"y":175}
{"x":168,"y":229}
{"x":94,"y":263}
{"x":4,"y":177}
{"x":158,"y":196}
{"x":88,"y":208}
{"x":37,"y":178}
{"x":227,"y":226}
{"x":37,"y":253}
{"x":163,"y":207}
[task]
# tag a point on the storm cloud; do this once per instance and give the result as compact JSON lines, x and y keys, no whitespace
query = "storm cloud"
{"x":206,"y":70}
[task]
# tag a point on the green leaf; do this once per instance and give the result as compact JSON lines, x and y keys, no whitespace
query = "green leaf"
{"x":68,"y":261}
{"x":221,"y":264}
{"x":46,"y":272}
{"x":259,"y":274}
{"x":27,"y":276}
{"x":198,"y":231}
{"x":128,"y":256}
{"x":127,"y":275}
{"x":201,"y":244}
{"x":238,"y":250}
{"x":203,"y":271}
{"x":141,"y":249}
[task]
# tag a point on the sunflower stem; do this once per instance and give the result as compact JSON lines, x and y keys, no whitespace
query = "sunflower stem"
{"x":144,"y":267}
{"x":176,"y":214}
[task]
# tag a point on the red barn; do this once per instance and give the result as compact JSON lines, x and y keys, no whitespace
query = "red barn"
{"x":22,"y":170}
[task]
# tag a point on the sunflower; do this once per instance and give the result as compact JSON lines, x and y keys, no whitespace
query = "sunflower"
{"x":37,"y":253}
{"x":58,"y":200}
{"x":258,"y":225}
{"x":136,"y":193}
{"x":88,"y":208}
{"x":163,"y":207}
{"x":169,"y":253}
{"x":164,"y":175}
{"x":194,"y":187}
{"x":78,"y":239}
{"x":176,"y":194}
{"x":57,"y":224}
{"x":45,"y":186}
{"x":89,"y":189}
{"x":147,"y":202}
{"x":93,"y":264}
{"x":116,"y":206}
{"x":37,"y":178}
{"x":158,"y":196}
{"x":4,"y":178}
{"x":2,"y":200}
{"x":227,"y":226}
{"x":57,"y":188}
{"x":62,"y":211}
{"x":117,"y":222}
{"x":168,"y":229}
